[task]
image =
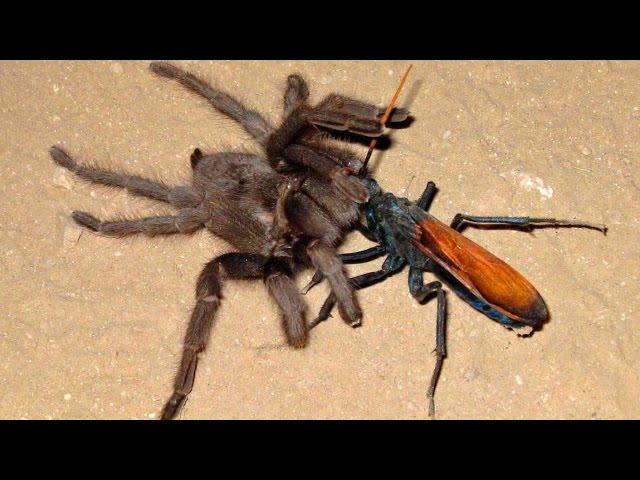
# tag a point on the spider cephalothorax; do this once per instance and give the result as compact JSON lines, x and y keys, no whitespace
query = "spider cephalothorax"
{"x":281,"y":212}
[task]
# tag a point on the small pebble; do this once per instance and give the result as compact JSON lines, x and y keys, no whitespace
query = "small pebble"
{"x":519,"y":380}
{"x":446,"y":134}
{"x":67,"y":397}
{"x":61,"y":178}
{"x":70,"y":235}
{"x":470,"y":374}
{"x":116,"y":68}
{"x":585,"y":150}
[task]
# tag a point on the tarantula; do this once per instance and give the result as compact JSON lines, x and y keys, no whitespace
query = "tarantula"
{"x":283,"y":212}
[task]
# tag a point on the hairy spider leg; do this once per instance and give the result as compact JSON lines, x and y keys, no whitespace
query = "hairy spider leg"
{"x":208,"y":297}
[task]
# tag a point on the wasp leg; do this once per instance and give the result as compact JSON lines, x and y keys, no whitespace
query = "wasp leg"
{"x":364,"y":230}
{"x":441,"y":351}
{"x":420,"y":292}
{"x":364,"y":255}
{"x":460,"y":222}
{"x":418,"y":289}
{"x":390,"y":266}
{"x":315,"y":280}
{"x":355,"y":257}
{"x":427,"y":196}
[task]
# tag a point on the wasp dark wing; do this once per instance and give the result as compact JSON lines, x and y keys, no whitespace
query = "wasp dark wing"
{"x":398,"y":114}
{"x":484,"y":274}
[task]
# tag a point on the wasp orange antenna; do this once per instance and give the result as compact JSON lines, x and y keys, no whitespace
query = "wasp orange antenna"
{"x":385,"y":117}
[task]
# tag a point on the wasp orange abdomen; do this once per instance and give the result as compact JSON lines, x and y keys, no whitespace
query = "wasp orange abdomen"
{"x":485,"y":275}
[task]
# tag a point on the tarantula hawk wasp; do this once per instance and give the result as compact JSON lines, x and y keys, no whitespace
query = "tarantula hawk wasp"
{"x":408,"y":235}
{"x":282,"y":211}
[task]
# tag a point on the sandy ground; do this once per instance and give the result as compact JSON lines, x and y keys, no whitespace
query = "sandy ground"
{"x":91,"y":327}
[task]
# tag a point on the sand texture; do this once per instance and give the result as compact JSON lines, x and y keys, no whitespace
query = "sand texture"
{"x":92,"y":327}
